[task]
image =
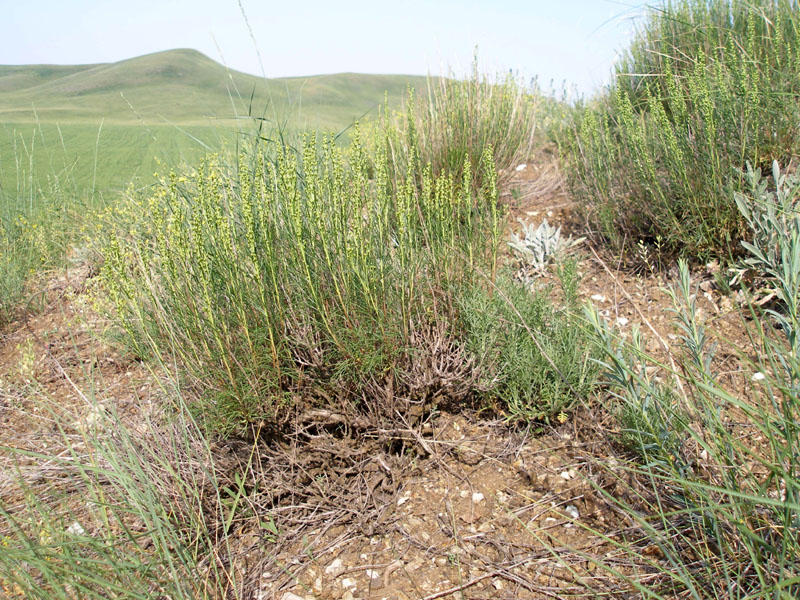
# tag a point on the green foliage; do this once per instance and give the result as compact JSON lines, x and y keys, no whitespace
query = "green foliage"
{"x":27,"y":246}
{"x":532,"y":355}
{"x":539,"y":246}
{"x":36,"y":222}
{"x":459,"y":119}
{"x":650,"y":414}
{"x":298,"y":273}
{"x":704,"y":88}
{"x":723,"y":468}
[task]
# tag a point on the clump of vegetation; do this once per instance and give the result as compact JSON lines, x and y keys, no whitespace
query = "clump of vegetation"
{"x":25,"y":248}
{"x":539,"y":246}
{"x":307,"y":273}
{"x":704,"y":88}
{"x":348,"y":278}
{"x":35,"y":226}
{"x":721,"y":469}
{"x":534,"y":355}
{"x":458,"y":119}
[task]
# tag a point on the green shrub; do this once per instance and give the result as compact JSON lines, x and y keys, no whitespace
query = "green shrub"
{"x":722,"y":469}
{"x":532,"y":355}
{"x":309,"y":273}
{"x":705,"y":87}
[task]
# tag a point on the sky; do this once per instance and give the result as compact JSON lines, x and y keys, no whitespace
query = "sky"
{"x":572,"y":41}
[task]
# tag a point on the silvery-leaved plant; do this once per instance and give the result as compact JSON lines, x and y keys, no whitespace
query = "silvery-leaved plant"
{"x":538,"y":246}
{"x":774,"y":252}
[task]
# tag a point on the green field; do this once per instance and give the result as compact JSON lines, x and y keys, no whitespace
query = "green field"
{"x":97,"y":126}
{"x":98,"y":158}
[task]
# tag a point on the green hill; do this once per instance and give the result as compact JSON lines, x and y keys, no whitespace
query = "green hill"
{"x":187,"y":87}
{"x":170,"y":105}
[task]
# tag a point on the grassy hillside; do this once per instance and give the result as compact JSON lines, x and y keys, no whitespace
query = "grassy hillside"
{"x":186,"y":87}
{"x":97,"y":126}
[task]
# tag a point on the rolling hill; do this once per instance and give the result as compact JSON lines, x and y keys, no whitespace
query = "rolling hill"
{"x":187,"y":87}
{"x":102,"y":124}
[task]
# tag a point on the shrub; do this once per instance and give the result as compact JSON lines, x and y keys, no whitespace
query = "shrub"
{"x":295,"y":274}
{"x":704,"y":88}
{"x":539,"y":246}
{"x":532,"y":355}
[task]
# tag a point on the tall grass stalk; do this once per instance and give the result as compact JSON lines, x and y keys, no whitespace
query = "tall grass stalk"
{"x":453,"y":122}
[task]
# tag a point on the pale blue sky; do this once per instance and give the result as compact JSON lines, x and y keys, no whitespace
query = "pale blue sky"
{"x":572,"y":40}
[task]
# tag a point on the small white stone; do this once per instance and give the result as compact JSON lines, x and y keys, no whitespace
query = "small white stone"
{"x":565,"y":475}
{"x":403,"y":499}
{"x":598,"y":298}
{"x":348,"y":583}
{"x":335,"y":567}
{"x":291,"y":596}
{"x":477,"y":497}
{"x":372,"y":574}
{"x":521,"y":167}
{"x":758,"y":376}
{"x":572,"y":511}
{"x":622,"y":321}
{"x":76,"y":529}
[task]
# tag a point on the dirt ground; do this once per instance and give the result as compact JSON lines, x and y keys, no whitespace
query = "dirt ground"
{"x":465,"y":507}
